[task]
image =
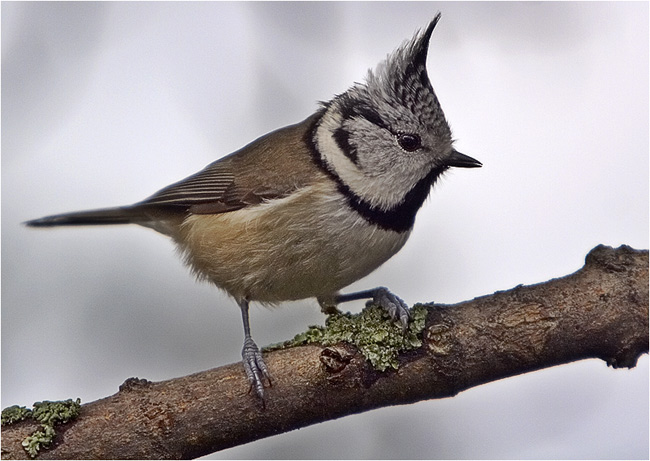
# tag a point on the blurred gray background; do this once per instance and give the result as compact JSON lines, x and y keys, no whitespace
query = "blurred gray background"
{"x":105,"y":103}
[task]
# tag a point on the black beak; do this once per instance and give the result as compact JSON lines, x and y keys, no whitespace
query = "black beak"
{"x":462,"y":161}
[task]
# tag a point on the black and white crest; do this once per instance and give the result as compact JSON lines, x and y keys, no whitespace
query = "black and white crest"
{"x":403,"y":79}
{"x":385,"y":141}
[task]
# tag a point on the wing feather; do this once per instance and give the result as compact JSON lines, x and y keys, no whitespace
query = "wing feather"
{"x":252,"y":175}
{"x":207,"y":185}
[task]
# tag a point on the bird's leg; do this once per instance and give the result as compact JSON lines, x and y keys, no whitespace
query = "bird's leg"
{"x":394,"y":305}
{"x":328,"y":305}
{"x":254,"y":365}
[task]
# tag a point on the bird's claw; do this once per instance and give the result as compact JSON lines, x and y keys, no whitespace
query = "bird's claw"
{"x":393,"y":304}
{"x":255,"y":368}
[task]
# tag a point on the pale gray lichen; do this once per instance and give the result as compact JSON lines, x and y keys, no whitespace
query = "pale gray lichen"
{"x":49,"y":414}
{"x":377,"y":337}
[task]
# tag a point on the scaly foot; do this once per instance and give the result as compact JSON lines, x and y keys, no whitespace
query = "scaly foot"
{"x":254,"y":366}
{"x":394,"y":305}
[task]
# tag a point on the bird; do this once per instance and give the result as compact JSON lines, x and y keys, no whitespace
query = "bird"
{"x":308,"y":209}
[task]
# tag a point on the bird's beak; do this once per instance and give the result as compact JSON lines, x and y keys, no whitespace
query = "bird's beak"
{"x":462,"y":161}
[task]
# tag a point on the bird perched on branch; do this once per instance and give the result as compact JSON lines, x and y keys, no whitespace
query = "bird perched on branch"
{"x":308,"y":209}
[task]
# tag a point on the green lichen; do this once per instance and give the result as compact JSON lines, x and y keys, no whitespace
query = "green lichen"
{"x":377,"y":337}
{"x":53,"y":413}
{"x":49,"y":414}
{"x":39,"y":439}
{"x":14,"y":414}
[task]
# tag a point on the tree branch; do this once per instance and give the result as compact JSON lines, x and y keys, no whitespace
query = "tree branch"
{"x":601,"y":311}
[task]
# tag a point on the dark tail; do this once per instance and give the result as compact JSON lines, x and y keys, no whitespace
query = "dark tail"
{"x":123,"y":215}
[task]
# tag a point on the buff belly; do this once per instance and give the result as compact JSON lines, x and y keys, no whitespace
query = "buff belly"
{"x":310,"y":244}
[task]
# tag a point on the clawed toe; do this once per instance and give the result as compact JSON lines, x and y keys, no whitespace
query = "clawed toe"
{"x":394,"y":305}
{"x":255,"y":368}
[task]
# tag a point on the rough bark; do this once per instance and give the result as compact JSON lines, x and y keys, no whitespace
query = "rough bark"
{"x":601,"y":311}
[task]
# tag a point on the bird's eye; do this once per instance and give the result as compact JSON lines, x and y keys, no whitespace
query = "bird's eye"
{"x":409,"y":142}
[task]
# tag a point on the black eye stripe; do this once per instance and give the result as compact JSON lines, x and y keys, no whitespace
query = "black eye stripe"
{"x":352,"y":107}
{"x":372,"y":116}
{"x":342,"y":138}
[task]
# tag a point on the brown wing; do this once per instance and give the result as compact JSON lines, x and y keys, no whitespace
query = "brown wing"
{"x":253,"y":174}
{"x":207,"y":186}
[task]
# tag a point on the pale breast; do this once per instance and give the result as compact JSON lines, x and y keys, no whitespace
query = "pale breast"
{"x":310,"y":244}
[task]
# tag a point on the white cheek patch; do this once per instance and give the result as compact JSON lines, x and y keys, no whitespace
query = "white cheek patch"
{"x":384,"y":191}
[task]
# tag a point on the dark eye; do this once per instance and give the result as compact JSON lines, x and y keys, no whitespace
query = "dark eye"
{"x":409,"y":142}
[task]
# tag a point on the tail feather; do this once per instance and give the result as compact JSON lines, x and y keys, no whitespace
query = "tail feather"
{"x":122,"y":215}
